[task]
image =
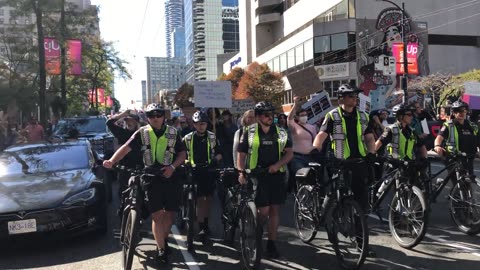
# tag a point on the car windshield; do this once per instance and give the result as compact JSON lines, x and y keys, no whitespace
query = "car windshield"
{"x":85,"y":125}
{"x":43,"y":159}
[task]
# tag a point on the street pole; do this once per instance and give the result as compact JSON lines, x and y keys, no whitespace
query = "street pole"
{"x":405,"y":58}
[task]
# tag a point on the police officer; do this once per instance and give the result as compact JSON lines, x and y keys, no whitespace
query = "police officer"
{"x":266,"y":145}
{"x":123,"y":134}
{"x":347,"y":128}
{"x":458,"y":134}
{"x":203,"y":148}
{"x":162,"y":149}
{"x":400,"y":138}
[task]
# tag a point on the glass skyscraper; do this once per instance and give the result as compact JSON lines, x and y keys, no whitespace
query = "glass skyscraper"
{"x":211,"y":28}
{"x":164,"y":73}
{"x":174,"y":26}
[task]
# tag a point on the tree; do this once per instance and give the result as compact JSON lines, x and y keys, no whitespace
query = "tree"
{"x":184,"y":96}
{"x":234,"y":77}
{"x":432,"y":85}
{"x":456,"y":87}
{"x":262,"y":84}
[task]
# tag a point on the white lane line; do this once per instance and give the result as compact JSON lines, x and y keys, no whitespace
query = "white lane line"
{"x":189,"y":260}
{"x":446,"y":242}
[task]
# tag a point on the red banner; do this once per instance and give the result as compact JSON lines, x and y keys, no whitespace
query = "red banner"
{"x":100,"y":93}
{"x":74,"y":56}
{"x":52,"y":56}
{"x":412,"y":52}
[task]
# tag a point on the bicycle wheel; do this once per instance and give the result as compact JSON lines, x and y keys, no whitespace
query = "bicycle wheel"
{"x":250,"y":237}
{"x":190,"y":222}
{"x":465,"y":207}
{"x":348,"y":232}
{"x":130,"y":239}
{"x":303,"y":211}
{"x":408,"y":217}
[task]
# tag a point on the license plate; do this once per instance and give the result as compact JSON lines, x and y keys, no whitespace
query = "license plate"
{"x":22,"y":226}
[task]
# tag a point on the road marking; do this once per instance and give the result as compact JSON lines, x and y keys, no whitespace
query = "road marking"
{"x":189,"y":260}
{"x":446,"y":242}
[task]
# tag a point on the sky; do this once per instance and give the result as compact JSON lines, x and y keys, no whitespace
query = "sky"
{"x":121,"y":23}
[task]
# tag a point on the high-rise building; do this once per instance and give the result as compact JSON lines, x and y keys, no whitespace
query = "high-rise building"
{"x":174,"y":23}
{"x":211,"y":28}
{"x":163,"y":73}
{"x":144,"y":92}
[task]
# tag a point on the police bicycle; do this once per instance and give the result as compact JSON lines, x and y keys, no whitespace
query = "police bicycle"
{"x":188,"y":209}
{"x":239,"y":210}
{"x":464,"y":196}
{"x":408,"y":210}
{"x":134,"y":212}
{"x":331,"y":204}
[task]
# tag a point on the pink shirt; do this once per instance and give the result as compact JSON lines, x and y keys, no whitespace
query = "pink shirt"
{"x":302,"y":139}
{"x":35,"y":133}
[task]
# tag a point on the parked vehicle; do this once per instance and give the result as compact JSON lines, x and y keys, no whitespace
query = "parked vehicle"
{"x":51,"y":188}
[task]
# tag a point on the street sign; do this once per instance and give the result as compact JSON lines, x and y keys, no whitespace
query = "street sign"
{"x":386,"y":64}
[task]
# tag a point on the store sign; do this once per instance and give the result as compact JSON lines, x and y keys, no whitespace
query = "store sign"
{"x":235,"y":62}
{"x":412,"y":54}
{"x":333,"y":71}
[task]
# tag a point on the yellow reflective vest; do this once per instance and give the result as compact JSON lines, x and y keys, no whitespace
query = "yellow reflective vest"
{"x":160,"y":149}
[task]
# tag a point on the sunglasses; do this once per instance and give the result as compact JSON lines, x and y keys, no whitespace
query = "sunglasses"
{"x":155,"y":115}
{"x":351,"y":95}
{"x":460,"y":111}
{"x":268,"y":114}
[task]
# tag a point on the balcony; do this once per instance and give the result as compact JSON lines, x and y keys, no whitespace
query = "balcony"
{"x":268,"y":18}
{"x":268,"y":5}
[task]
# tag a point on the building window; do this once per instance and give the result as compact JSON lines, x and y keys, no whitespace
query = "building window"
{"x":322,"y":44}
{"x":299,"y":55}
{"x":291,"y":58}
{"x":283,"y":62}
{"x":308,"y":45}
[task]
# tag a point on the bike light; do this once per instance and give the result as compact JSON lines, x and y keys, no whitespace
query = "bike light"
{"x":80,"y":197}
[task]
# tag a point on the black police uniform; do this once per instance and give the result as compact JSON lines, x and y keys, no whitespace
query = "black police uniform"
{"x":163,"y":194}
{"x":359,"y":171}
{"x":205,"y":180}
{"x":132,"y":159}
{"x":271,"y":189}
{"x":467,"y":140}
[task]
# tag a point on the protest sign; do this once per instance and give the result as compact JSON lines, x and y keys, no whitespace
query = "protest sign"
{"x":239,"y":106}
{"x":364,"y":104}
{"x":317,"y":107}
{"x":305,"y":82}
{"x":213,"y":94}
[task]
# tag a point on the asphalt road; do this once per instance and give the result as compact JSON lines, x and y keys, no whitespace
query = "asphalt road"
{"x":444,"y":247}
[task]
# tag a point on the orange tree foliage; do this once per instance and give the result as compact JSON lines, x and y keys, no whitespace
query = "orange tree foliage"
{"x":257,"y":82}
{"x":184,"y":93}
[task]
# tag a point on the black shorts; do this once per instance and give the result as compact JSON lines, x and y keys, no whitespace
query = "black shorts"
{"x":164,"y":194}
{"x":270,"y":190}
{"x":205,"y":182}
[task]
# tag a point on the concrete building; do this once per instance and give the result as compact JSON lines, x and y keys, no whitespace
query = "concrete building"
{"x":342,"y":39}
{"x":163,"y":73}
{"x":144,"y":92}
{"x":174,"y":28}
{"x":211,"y":28}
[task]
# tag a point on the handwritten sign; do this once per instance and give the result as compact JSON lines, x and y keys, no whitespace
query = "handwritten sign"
{"x":239,"y":106}
{"x":213,"y":94}
{"x":365,"y":103}
{"x":305,"y":82}
{"x":317,"y":107}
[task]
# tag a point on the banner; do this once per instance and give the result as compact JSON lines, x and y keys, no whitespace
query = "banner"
{"x":74,"y":57}
{"x":317,"y":107}
{"x":52,"y":56}
{"x":100,"y":94}
{"x":412,"y":50}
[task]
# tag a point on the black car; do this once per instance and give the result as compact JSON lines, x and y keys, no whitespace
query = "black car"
{"x":50,"y":188}
{"x":93,"y":128}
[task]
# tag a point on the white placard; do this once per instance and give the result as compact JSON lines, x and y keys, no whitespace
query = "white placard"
{"x":239,"y":106}
{"x":365,"y":103}
{"x":317,"y":107}
{"x":213,"y":94}
{"x":425,"y":126}
{"x":472,"y":88}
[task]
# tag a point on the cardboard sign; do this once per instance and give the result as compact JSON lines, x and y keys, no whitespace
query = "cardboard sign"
{"x":305,"y":82}
{"x":239,"y":106}
{"x":365,"y":103}
{"x":317,"y":107}
{"x":213,"y":94}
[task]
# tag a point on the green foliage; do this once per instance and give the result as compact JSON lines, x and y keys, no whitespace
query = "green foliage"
{"x":456,"y":88}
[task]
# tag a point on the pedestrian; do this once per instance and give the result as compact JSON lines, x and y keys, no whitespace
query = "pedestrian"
{"x":347,"y":128}
{"x":203,"y":148}
{"x":418,"y":117}
{"x":225,"y":133}
{"x":162,"y":150}
{"x":264,"y":145}
{"x":247,"y":119}
{"x":134,"y":158}
{"x":34,"y":131}
{"x":303,"y":135}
